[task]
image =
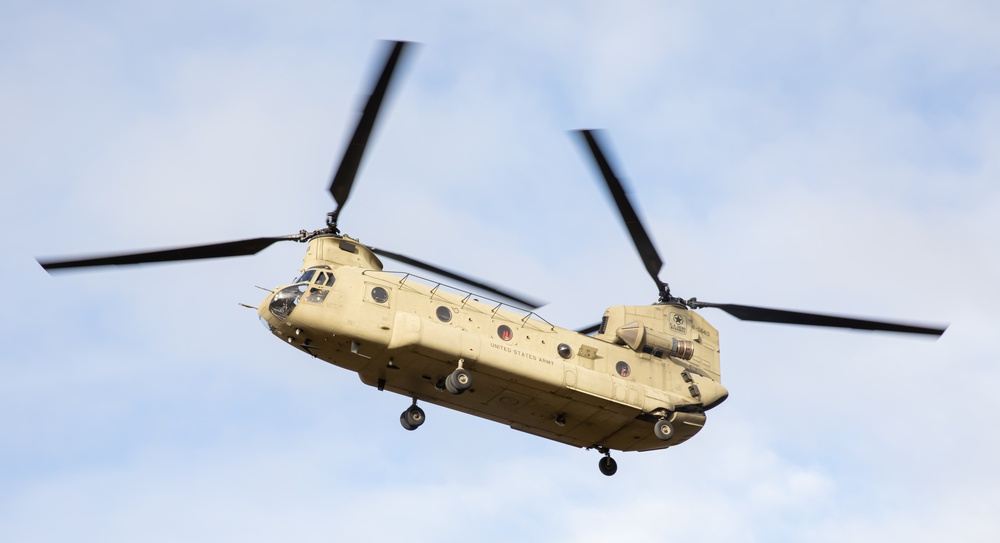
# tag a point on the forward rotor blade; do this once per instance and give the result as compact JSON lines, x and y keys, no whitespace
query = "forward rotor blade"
{"x":343,"y":179}
{"x":640,"y":238}
{"x":196,"y":252}
{"x":782,"y":316}
{"x":527,"y":303}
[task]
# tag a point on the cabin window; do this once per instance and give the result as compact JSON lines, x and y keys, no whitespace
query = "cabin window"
{"x":443,"y":314}
{"x":505,"y":333}
{"x":564,"y":350}
{"x":380,"y":295}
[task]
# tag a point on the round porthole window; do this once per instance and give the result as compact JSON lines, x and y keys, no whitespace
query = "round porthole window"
{"x":623,"y":369}
{"x":505,"y":333}
{"x":443,"y":314}
{"x":564,"y":350}
{"x":380,"y":295}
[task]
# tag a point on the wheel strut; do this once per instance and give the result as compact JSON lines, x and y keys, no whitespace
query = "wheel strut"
{"x":458,"y":381}
{"x":607,"y":465}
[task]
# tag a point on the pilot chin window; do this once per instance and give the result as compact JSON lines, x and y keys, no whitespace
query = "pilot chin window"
{"x":315,"y":295}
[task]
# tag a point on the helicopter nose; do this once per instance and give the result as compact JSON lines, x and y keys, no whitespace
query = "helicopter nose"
{"x":284,"y":301}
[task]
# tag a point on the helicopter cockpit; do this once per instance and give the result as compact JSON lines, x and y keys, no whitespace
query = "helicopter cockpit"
{"x":319,"y":275}
{"x":311,"y":287}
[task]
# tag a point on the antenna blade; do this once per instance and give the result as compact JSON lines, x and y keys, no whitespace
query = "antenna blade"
{"x":195,"y":252}
{"x":647,"y":251}
{"x":783,"y":316}
{"x":526,"y":302}
{"x":343,"y":179}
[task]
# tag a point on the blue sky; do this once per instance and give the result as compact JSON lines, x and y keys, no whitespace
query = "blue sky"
{"x":835,"y":158}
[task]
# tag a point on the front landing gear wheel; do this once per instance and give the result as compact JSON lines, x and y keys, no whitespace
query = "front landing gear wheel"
{"x":663,"y":429}
{"x":412,"y":418}
{"x":608,"y":465}
{"x":458,"y":382}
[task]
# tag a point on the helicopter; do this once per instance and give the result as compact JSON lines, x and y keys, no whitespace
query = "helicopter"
{"x":642,"y":379}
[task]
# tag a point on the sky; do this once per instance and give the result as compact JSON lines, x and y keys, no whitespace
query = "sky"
{"x":832,"y":157}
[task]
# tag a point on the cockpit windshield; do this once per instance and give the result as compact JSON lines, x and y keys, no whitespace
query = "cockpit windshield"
{"x":322,"y":275}
{"x":307,"y":276}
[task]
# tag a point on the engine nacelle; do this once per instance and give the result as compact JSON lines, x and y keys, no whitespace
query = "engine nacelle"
{"x":641,"y":339}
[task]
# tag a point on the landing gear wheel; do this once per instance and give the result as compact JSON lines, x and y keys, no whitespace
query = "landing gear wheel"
{"x":404,"y":424}
{"x":412,"y":418}
{"x":663,"y":429}
{"x":607,"y":465}
{"x":458,"y":382}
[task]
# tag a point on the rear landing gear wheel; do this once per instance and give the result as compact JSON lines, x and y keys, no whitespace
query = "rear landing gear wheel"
{"x":412,"y":418}
{"x":663,"y":429}
{"x":458,"y":382}
{"x":607,"y":465}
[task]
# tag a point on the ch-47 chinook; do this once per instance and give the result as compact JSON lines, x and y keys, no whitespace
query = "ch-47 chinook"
{"x":643,"y":382}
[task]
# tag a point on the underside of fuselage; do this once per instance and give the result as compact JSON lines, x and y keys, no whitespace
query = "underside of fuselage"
{"x":516,"y":384}
{"x":567,"y":416}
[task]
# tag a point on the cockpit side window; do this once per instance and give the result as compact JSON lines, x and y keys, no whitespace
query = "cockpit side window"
{"x":324,"y":279}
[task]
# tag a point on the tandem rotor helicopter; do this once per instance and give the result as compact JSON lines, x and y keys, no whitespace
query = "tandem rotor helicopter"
{"x":644,"y":381}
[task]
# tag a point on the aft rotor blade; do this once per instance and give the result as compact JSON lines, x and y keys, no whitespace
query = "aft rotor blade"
{"x":343,"y":179}
{"x":782,"y":316}
{"x":640,"y":238}
{"x":590,"y":329}
{"x":526,"y":302}
{"x":196,"y":252}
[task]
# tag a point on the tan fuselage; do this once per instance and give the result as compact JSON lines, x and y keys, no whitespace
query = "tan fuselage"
{"x":406,"y":335}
